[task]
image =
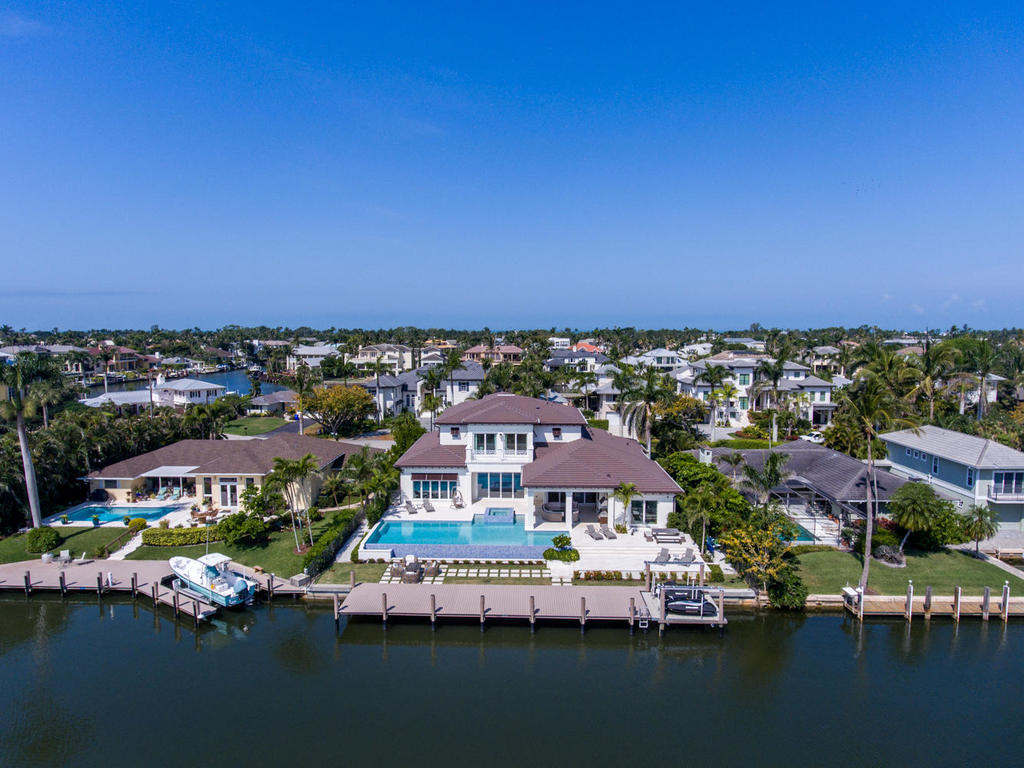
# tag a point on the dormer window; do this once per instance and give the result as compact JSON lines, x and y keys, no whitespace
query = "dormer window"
{"x":455,"y":433}
{"x":556,"y":432}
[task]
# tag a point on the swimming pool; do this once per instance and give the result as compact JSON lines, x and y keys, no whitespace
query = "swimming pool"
{"x":477,"y":539}
{"x":116,"y":514}
{"x":803,"y":535}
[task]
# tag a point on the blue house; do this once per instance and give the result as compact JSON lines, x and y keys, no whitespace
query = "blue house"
{"x":969,"y":469}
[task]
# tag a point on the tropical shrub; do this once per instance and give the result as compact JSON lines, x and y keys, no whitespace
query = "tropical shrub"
{"x":561,"y":541}
{"x":882,"y":537}
{"x":567,"y":555}
{"x":715,"y":574}
{"x":244,"y":529}
{"x":320,"y":556}
{"x":42,"y":539}
{"x":137,"y":524}
{"x":180,"y":537}
{"x":787,"y":590}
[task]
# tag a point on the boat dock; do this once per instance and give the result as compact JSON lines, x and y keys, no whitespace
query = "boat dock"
{"x":957,"y":606}
{"x":583,"y":604}
{"x":142,"y":579}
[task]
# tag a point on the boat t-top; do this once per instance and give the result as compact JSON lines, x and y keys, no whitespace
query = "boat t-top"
{"x":210,"y":577}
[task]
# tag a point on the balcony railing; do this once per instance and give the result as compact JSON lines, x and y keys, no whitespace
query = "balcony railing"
{"x":1007,"y":496}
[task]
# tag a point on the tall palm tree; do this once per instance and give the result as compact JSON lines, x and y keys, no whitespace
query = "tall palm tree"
{"x":714,"y":376}
{"x":771,"y":475}
{"x":769,"y":373}
{"x":728,"y":392}
{"x":106,"y":354}
{"x":452,"y":363}
{"x":377,"y":367}
{"x":290,"y":477}
{"x":933,"y":365}
{"x":19,"y":377}
{"x":981,"y":359}
{"x":639,"y":411}
{"x":734,"y":460}
{"x":625,"y":493}
{"x":358,"y":470}
{"x":431,"y":404}
{"x":700,"y":504}
{"x":47,"y":391}
{"x":981,"y":523}
{"x":871,"y":408}
{"x":255,"y":384}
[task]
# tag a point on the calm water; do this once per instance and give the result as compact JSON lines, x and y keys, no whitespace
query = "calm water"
{"x":89,"y":684}
{"x":235,"y":381}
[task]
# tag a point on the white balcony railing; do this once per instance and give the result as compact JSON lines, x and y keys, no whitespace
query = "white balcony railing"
{"x":1007,"y":496}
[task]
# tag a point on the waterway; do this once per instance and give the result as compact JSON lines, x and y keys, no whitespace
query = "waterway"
{"x":92,"y":682}
{"x":235,"y":381}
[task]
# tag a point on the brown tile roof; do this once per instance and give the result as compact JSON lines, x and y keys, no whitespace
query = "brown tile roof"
{"x":428,"y":452}
{"x":231,"y":457}
{"x":503,"y":408}
{"x":598,"y":460}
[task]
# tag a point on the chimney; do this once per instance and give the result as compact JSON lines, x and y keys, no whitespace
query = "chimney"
{"x":704,"y":455}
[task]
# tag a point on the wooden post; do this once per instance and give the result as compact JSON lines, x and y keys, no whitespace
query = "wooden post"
{"x":270,"y":588}
{"x":99,"y":582}
{"x":337,"y":613}
{"x":482,"y":611}
{"x":583,"y":613}
{"x":533,"y":614}
{"x":135,"y":585}
{"x":956,"y":603}
{"x":860,"y":604}
{"x":195,"y":613}
{"x":721,"y":607}
{"x":647,"y":577}
{"x":28,"y":583}
{"x":63,"y":585}
{"x":632,"y":613}
{"x":155,"y":593}
{"x":433,"y":611}
{"x":927,"y":602}
{"x":351,"y":580}
{"x":909,"y":610}
{"x":175,"y":599}
{"x":701,"y":581}
{"x":661,"y":616}
{"x":384,"y":608}
{"x":985,"y":603}
{"x":1004,"y":608}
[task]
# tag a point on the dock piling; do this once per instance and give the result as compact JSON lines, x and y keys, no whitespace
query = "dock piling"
{"x":647,"y":577}
{"x":909,"y":610}
{"x":632,"y":613}
{"x":533,"y":614}
{"x":433,"y":611}
{"x":956,"y":603}
{"x":28,"y":583}
{"x":352,"y":579}
{"x":99,"y":582}
{"x":721,"y":605}
{"x":337,"y":610}
{"x":482,"y":611}
{"x":270,"y":588}
{"x":63,"y":585}
{"x":583,"y":614}
{"x":986,"y":602}
{"x":156,"y":592}
{"x":384,"y":608}
{"x":195,"y":613}
{"x":135,"y":585}
{"x":661,"y":612}
{"x":1004,"y":608}
{"x":175,"y":603}
{"x":927,"y":602}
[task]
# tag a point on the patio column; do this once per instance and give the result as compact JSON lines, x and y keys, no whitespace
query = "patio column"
{"x":568,"y":509}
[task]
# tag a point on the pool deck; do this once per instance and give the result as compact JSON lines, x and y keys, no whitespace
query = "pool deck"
{"x":179,"y":514}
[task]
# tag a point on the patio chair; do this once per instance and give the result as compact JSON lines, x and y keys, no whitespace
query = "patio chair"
{"x":433,"y":569}
{"x":65,"y":557}
{"x":663,"y":556}
{"x":592,"y":533}
{"x":608,"y":532}
{"x":687,"y":557}
{"x":397,"y":569}
{"x":648,"y":536}
{"x":427,"y":506}
{"x":410,"y":508}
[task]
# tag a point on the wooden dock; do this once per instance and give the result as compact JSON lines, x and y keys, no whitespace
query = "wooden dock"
{"x":530,"y":604}
{"x":989,"y":605}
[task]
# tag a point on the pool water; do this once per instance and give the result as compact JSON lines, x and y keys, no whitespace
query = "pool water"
{"x":116,"y":514}
{"x":803,"y":535}
{"x":458,"y":539}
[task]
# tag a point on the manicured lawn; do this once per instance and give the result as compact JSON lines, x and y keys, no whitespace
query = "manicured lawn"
{"x":77,"y":539}
{"x":277,"y":556}
{"x":339,"y":573}
{"x":253,"y":425}
{"x":829,"y":572}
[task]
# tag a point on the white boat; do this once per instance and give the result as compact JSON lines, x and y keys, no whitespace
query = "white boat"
{"x":210,"y":577}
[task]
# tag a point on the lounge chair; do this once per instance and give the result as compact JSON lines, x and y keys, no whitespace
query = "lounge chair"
{"x":648,"y":536}
{"x":397,"y":569}
{"x":663,"y":556}
{"x":688,"y":556}
{"x":592,"y":533}
{"x":427,"y":506}
{"x":65,"y":557}
{"x":410,"y":508}
{"x":608,"y":532}
{"x":668,"y":536}
{"x":433,"y":569}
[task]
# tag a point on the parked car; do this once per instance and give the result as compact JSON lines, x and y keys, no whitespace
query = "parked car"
{"x":813,"y":437}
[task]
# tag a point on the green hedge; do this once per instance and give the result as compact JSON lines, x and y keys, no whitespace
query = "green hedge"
{"x":41,"y":539}
{"x":321,"y":555}
{"x":568,"y":555}
{"x":180,"y":537}
{"x":803,"y":549}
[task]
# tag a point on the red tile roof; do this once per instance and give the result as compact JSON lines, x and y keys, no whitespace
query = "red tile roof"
{"x":504,"y":408}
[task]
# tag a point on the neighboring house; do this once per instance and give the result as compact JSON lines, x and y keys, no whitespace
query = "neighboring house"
{"x":579,"y":361}
{"x":660,"y":358}
{"x":807,"y":395}
{"x":73,"y":367}
{"x":588,"y":345}
{"x":177,"y":393}
{"x":752,"y":344}
{"x":219,"y":470}
{"x":902,"y":341}
{"x":396,"y":357}
{"x":822,"y":358}
{"x":695,"y":350}
{"x":972,"y":469}
{"x":124,"y":358}
{"x":310,"y":354}
{"x":538,"y":457}
{"x":559,"y":342}
{"x":275,"y":402}
{"x":499,"y":353}
{"x":405,"y":391}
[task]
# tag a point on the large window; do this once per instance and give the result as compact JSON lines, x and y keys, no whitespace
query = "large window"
{"x":744,"y":379}
{"x":484,"y":442}
{"x":644,"y":512}
{"x":498,"y":485}
{"x":1008,"y":482}
{"x":970,"y":477}
{"x":434,"y":486}
{"x":515,"y":443}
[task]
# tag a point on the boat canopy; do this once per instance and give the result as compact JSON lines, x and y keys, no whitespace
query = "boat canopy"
{"x":214,"y":559}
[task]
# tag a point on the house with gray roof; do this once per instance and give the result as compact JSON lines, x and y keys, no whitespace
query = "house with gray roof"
{"x":539,"y":458}
{"x":162,"y":393}
{"x":971,"y":469}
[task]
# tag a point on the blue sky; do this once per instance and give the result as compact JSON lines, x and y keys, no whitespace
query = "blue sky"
{"x":513,"y":165}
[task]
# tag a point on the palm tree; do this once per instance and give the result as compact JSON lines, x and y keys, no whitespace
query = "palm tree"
{"x":981,"y":359}
{"x":452,"y":363}
{"x":625,"y":493}
{"x":47,"y":391}
{"x":334,"y":488}
{"x":714,"y":376}
{"x":770,"y":372}
{"x":432,"y":404}
{"x":106,"y":354}
{"x":19,"y":377}
{"x":981,"y":523}
{"x":771,"y":475}
{"x":934,"y":364}
{"x":871,"y":409}
{"x":358,"y":470}
{"x":304,"y":383}
{"x":290,"y":476}
{"x":733,"y":459}
{"x":639,"y":411}
{"x":377,"y":367}
{"x":913,"y":509}
{"x":728,"y":392}
{"x":255,"y":384}
{"x":700,"y":504}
